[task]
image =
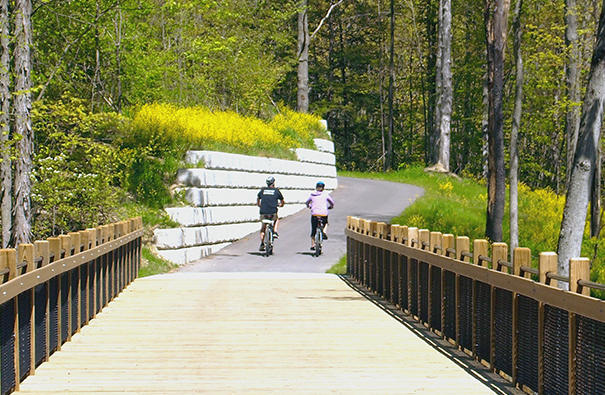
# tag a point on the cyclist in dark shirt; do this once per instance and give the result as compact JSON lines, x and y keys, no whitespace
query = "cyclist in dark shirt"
{"x":269,"y":199}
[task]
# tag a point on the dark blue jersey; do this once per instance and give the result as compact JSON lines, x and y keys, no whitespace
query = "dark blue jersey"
{"x":269,"y":200}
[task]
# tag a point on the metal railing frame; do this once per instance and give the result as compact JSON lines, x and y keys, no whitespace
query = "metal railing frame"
{"x":393,"y":262}
{"x":52,"y":288}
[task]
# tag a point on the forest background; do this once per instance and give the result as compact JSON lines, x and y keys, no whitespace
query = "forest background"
{"x":96,"y":64}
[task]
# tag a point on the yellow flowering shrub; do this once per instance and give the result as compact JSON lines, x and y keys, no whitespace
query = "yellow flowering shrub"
{"x":201,"y":128}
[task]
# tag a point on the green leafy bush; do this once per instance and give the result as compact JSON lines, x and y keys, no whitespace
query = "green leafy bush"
{"x":76,"y":180}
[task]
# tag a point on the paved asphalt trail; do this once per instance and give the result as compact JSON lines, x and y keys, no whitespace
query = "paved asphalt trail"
{"x":368,"y":199}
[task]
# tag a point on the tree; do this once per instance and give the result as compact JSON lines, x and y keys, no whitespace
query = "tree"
{"x":388,"y":163}
{"x":585,"y":159}
{"x":302,"y":101}
{"x":514,"y":149}
{"x":23,"y":126}
{"x":496,"y":22}
{"x":5,"y":110}
{"x":572,"y":83}
{"x":445,"y":112}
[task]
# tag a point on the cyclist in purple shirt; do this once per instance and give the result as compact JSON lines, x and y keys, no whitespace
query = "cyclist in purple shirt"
{"x":319,"y":202}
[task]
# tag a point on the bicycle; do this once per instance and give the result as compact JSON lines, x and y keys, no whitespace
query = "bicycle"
{"x":319,"y":235}
{"x":269,"y":235}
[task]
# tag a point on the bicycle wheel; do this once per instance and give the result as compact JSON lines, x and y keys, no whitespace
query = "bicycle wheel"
{"x":268,"y":240}
{"x":318,"y":240}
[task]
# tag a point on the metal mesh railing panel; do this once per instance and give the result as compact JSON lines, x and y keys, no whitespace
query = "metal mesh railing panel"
{"x":413,"y":286}
{"x":41,"y":299}
{"x":7,"y":346}
{"x":503,"y":331}
{"x":527,"y":354}
{"x":590,"y":357}
{"x":449,"y":326}
{"x":75,"y":298}
{"x":373,"y":267}
{"x":91,"y":289}
{"x":395,"y":278}
{"x":465,"y":312}
{"x":53,"y":317}
{"x":380,"y":272}
{"x":423,"y":288}
{"x":436,"y":298}
{"x":83,"y":294}
{"x":110,"y":279}
{"x":403,"y":282}
{"x":98,"y":285}
{"x":24,"y":301}
{"x":556,"y":358}
{"x":387,"y":276}
{"x":64,"y":307}
{"x":483,"y":308}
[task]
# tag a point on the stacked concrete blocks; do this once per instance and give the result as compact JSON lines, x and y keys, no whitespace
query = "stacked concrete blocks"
{"x":222,"y":190}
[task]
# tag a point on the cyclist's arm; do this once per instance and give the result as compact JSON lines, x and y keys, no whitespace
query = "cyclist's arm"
{"x":330,"y":202}
{"x":281,"y":203}
{"x":258,"y":201}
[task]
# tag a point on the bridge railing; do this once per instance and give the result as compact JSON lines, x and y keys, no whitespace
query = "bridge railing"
{"x":543,"y":339}
{"x":52,"y":288}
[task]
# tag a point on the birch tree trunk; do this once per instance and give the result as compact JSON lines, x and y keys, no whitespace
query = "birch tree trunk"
{"x":389,"y":143}
{"x":445,"y":113}
{"x":514,"y":149}
{"x":22,"y":124}
{"x":573,"y":90}
{"x":438,"y":86}
{"x":496,"y":22}
{"x":585,"y":159}
{"x":5,"y":108}
{"x":302,"y":101}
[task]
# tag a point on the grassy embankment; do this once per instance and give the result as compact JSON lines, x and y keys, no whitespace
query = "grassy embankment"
{"x":167,"y":132}
{"x":457,"y":206}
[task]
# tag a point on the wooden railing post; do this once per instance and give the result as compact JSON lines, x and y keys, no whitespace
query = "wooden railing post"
{"x":448,"y":242}
{"x":480,"y":249}
{"x":521,"y":258}
{"x":413,"y":237}
{"x":424,"y":238}
{"x":436,"y":246}
{"x":579,"y":269}
{"x":547,"y":264}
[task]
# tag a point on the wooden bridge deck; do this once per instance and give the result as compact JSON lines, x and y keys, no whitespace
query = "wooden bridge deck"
{"x":248,"y":334}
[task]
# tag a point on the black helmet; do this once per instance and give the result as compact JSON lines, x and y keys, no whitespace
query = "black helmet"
{"x":270,"y":181}
{"x":320,"y":185}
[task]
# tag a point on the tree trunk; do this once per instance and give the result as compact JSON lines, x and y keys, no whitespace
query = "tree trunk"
{"x":496,"y":22}
{"x":573,"y":90}
{"x":438,"y":87}
{"x":431,"y":19}
{"x":23,"y":125}
{"x":118,"y":27}
{"x":595,"y":197}
{"x":302,"y":95}
{"x":514,"y":149}
{"x":445,"y":111}
{"x":583,"y":170}
{"x":5,"y":110}
{"x":389,"y":142}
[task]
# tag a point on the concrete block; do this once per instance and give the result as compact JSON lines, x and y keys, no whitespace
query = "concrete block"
{"x":324,"y":145}
{"x":307,"y":155}
{"x":229,"y":179}
{"x":168,"y":238}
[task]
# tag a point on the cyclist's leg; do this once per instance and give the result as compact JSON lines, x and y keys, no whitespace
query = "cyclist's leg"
{"x":263,"y":227}
{"x":313,"y":230}
{"x":275,"y":225}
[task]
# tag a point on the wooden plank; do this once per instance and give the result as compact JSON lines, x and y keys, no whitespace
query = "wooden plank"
{"x":296,"y":335}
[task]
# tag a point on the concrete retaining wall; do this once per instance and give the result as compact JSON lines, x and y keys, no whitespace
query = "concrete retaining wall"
{"x":222,"y":189}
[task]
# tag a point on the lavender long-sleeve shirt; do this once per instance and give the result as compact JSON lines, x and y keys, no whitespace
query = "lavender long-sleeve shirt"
{"x":319,"y":202}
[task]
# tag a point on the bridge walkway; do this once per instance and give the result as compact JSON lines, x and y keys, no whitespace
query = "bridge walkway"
{"x":251,"y":333}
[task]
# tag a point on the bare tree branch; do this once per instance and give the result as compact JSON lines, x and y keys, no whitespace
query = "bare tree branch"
{"x":325,"y":17}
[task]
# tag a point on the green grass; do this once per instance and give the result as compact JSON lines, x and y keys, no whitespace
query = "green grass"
{"x":340,"y":267}
{"x":152,"y":264}
{"x":458,"y":206}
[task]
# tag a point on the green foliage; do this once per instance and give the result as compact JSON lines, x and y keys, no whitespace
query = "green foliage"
{"x":340,"y":267}
{"x":152,"y":264}
{"x":457,"y":206}
{"x":76,"y":179}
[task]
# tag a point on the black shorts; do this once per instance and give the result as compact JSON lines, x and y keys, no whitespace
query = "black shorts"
{"x":268,"y":216}
{"x":314,"y":220}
